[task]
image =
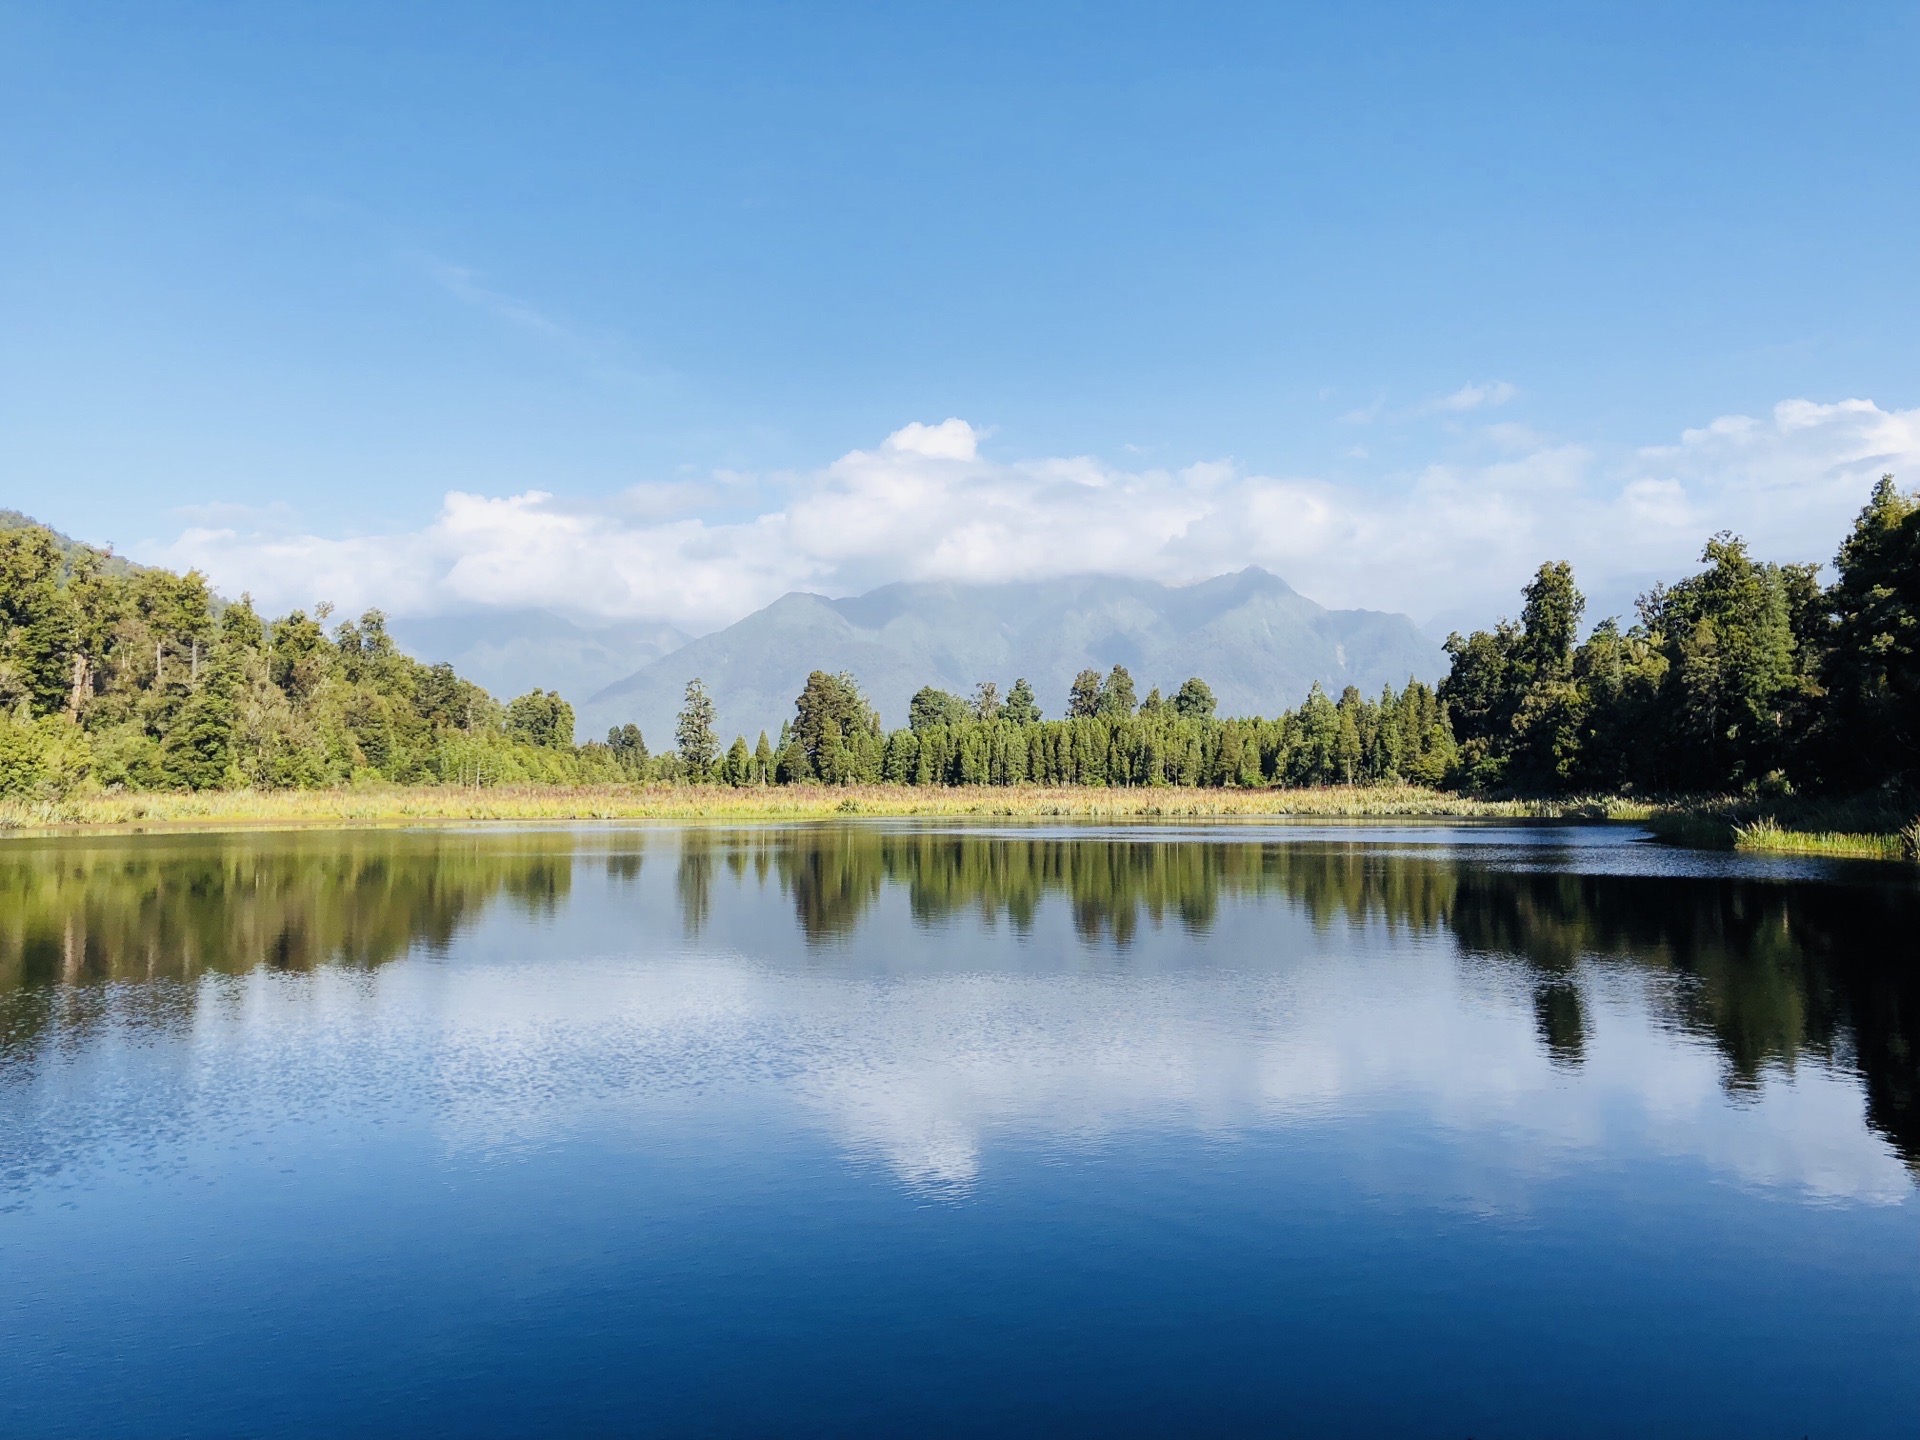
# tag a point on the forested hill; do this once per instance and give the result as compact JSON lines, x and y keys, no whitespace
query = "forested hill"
{"x":130,"y":676}
{"x":1261,"y":644}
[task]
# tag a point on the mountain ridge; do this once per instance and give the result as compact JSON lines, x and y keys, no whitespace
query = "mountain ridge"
{"x":1257,"y":641}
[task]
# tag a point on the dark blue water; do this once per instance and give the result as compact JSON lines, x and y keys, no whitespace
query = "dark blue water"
{"x":888,"y":1129}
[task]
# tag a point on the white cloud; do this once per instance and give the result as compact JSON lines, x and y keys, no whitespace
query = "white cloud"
{"x":951,"y":439}
{"x":1474,"y":397}
{"x":927,"y":504}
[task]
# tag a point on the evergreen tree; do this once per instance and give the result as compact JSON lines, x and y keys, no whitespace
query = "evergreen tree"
{"x":693,"y":732}
{"x":930,"y":706}
{"x":737,"y":769}
{"x":1116,"y":694}
{"x":1872,"y":663}
{"x":1021,"y":708}
{"x":1083,"y":699}
{"x":1194,"y":699}
{"x":831,"y":719}
{"x":986,"y":701}
{"x":629,"y":748}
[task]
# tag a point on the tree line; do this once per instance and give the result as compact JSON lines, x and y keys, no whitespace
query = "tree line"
{"x":144,"y":679}
{"x":1106,"y":737}
{"x":1747,"y":676}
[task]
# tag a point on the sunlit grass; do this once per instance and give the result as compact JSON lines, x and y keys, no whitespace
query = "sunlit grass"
{"x":417,"y":804}
{"x":1767,"y":835}
{"x":1702,"y":823}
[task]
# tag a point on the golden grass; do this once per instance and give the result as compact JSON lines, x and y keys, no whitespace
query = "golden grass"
{"x":406,"y":805}
{"x":1699,"y":823}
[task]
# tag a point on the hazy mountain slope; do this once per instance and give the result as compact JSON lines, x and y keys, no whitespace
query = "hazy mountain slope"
{"x":512,"y":652}
{"x":1251,"y":636}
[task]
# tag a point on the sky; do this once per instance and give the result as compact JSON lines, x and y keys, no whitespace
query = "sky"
{"x":657,"y":312}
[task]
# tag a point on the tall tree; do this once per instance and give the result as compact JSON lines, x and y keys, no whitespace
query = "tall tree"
{"x":1116,"y":694}
{"x":1873,"y":665}
{"x":1022,"y":708}
{"x":831,"y":717}
{"x":1194,"y":699}
{"x":930,"y":706}
{"x":36,"y":623}
{"x":1083,"y":699}
{"x":693,"y":732}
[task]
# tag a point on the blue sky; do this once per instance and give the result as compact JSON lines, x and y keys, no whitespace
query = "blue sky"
{"x":643,"y":288}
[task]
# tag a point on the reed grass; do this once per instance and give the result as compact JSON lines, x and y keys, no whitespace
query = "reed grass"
{"x":1767,"y":835}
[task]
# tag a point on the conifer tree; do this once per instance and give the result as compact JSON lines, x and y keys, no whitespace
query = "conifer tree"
{"x":1083,"y":699}
{"x":1021,"y":707}
{"x":693,"y":733}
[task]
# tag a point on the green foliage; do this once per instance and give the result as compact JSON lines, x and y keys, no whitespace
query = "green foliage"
{"x":837,"y":730}
{"x":1083,"y":697}
{"x":1401,"y":736}
{"x":1746,"y":677}
{"x":541,"y":717}
{"x":935,"y":707}
{"x":1874,"y":670}
{"x":693,"y":732}
{"x":45,"y":759}
{"x":1021,"y":707}
{"x":1194,"y":699}
{"x":138,"y":678}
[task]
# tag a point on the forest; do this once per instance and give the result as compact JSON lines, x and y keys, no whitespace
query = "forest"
{"x":1745,"y":678}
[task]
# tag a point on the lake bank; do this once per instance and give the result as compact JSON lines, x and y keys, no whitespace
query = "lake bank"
{"x":1855,"y":829}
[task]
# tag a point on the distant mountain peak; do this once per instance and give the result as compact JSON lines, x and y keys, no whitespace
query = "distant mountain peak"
{"x":1258,"y":642}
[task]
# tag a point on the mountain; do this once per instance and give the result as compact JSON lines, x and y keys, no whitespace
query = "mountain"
{"x":1258,"y":642}
{"x":511,"y":652}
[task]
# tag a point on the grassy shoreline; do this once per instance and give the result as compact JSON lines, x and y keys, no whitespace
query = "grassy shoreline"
{"x":1845,"y":830}
{"x":435,"y":803}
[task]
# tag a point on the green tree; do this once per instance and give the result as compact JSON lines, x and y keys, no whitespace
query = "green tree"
{"x":629,"y":748}
{"x":694,"y":731}
{"x":931,"y":706}
{"x":541,"y":717}
{"x":1116,"y":694}
{"x":1194,"y":699}
{"x":1021,"y":708}
{"x":1083,"y":698}
{"x":737,"y":768}
{"x":1732,"y":680}
{"x":986,"y":701}
{"x":1872,"y":668}
{"x":36,"y":622}
{"x":829,"y":714}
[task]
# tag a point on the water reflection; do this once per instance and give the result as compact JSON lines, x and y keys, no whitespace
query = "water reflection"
{"x":1774,"y":973}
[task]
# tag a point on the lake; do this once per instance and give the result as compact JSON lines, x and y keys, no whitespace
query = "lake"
{"x":888,"y":1127}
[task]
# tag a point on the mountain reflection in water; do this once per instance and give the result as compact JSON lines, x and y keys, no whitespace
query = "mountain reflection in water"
{"x":1775,"y":966}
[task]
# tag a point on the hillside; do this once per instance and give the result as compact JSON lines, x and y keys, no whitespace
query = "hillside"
{"x":1257,"y":641}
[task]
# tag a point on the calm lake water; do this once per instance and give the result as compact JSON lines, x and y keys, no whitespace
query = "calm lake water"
{"x":894,"y":1128}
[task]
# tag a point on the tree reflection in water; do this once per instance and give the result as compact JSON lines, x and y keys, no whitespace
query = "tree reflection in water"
{"x":1773,"y":972}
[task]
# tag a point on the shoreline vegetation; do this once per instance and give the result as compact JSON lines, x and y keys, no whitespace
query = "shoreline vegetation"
{"x":1854,"y":830}
{"x":1748,"y":706}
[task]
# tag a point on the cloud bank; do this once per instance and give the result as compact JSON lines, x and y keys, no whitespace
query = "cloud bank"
{"x":928,"y":504}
